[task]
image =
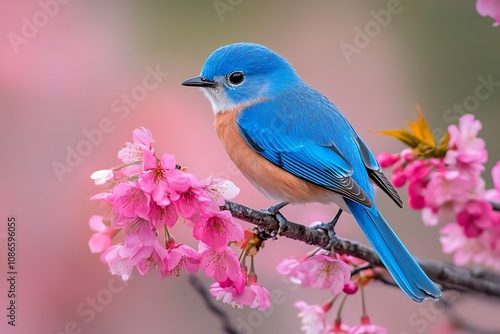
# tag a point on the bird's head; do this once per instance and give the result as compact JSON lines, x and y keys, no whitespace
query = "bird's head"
{"x":243,"y":73}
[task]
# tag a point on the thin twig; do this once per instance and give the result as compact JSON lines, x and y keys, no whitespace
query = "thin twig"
{"x":360,"y":268}
{"x":209,"y":302}
{"x":448,"y":276}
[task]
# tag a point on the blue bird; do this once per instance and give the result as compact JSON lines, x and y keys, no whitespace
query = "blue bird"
{"x":295,"y":146}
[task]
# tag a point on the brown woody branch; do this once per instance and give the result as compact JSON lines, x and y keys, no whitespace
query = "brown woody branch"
{"x":448,"y":276}
{"x":212,"y":306}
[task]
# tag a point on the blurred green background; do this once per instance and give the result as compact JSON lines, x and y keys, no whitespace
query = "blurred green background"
{"x":68,"y":73}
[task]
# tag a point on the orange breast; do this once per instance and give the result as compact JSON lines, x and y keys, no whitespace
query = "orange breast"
{"x":270,"y":179}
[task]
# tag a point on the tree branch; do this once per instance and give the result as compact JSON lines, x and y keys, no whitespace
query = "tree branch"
{"x":448,"y":276}
{"x":210,"y":303}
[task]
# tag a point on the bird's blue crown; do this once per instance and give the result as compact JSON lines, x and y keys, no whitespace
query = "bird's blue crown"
{"x":247,"y":72}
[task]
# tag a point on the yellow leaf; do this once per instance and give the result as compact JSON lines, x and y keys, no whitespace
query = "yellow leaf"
{"x":404,"y":135}
{"x":421,"y":129}
{"x":420,"y":138}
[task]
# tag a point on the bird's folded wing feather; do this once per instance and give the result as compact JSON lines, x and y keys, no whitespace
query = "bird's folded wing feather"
{"x":375,"y":172}
{"x":322,"y":165}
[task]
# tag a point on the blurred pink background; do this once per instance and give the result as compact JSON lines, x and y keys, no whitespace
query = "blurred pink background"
{"x":64,"y":79}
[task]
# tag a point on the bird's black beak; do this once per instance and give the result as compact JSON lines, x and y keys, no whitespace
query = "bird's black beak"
{"x":199,"y":82}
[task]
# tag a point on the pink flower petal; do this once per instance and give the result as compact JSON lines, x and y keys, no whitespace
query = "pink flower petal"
{"x":99,"y":242}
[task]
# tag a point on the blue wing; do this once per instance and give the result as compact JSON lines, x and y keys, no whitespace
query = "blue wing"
{"x":316,"y":161}
{"x":375,"y":172}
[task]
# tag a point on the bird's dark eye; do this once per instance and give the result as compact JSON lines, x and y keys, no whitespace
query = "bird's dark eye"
{"x":235,"y":78}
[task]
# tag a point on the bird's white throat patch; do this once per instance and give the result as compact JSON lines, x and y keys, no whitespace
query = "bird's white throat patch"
{"x":219,"y":100}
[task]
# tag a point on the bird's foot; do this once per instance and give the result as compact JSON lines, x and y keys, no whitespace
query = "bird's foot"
{"x":282,"y":221}
{"x":275,"y":211}
{"x":330,"y":229}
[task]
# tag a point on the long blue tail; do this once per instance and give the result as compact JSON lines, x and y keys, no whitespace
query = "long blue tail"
{"x":396,"y":258}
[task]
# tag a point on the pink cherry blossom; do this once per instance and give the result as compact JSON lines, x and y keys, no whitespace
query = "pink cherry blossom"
{"x":253,"y":295}
{"x":467,"y":151}
{"x":225,"y":294}
{"x":495,"y":173}
{"x":431,"y":216}
{"x":219,"y":264}
{"x":118,"y":264}
{"x":313,"y":318}
{"x":475,"y":217}
{"x":325,"y":272}
{"x":133,"y":152}
{"x":483,"y":250}
{"x":352,"y":260}
{"x":318,"y":271}
{"x":491,"y":241}
{"x":238,"y":284}
{"x":291,"y":267}
{"x":398,"y":178}
{"x":489,"y":8}
{"x":102,"y":176}
{"x":367,"y":328}
{"x":445,"y":186}
{"x":150,"y":256}
{"x":192,"y":200}
{"x":141,"y":248}
{"x":416,"y":198}
{"x":160,"y":217}
{"x":417,"y":170}
{"x":160,"y":166}
{"x":130,"y":201}
{"x":493,"y":195}
{"x":142,"y":228}
{"x":161,"y":179}
{"x":216,"y":229}
{"x":181,"y":258}
{"x":101,"y":239}
{"x":465,"y":249}
{"x":146,"y":196}
{"x":220,"y":190}
{"x":407,"y":154}
{"x":451,"y":189}
{"x":387,"y":159}
{"x":105,"y":196}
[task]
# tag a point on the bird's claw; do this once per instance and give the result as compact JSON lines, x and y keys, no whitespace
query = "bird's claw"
{"x":330,"y":229}
{"x":275,"y":211}
{"x":282,"y":220}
